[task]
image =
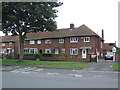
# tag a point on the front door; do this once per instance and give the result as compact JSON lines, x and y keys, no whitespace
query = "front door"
{"x":83,"y":53}
{"x":56,"y":51}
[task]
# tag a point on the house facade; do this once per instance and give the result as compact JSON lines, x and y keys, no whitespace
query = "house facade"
{"x":80,"y":43}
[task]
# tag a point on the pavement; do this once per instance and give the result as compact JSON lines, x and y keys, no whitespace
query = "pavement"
{"x":99,"y":75}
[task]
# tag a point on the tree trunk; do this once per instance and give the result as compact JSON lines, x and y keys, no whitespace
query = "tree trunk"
{"x":21,"y":40}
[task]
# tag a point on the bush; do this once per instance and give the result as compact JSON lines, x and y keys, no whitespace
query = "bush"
{"x":47,"y":55}
{"x":37,"y":55}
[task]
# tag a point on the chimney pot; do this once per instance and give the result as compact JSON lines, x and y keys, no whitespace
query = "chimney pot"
{"x":103,"y":34}
{"x":71,"y":26}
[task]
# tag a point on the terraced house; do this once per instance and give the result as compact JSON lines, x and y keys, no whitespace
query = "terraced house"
{"x":78,"y":43}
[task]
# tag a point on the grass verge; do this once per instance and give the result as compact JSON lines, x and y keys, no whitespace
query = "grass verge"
{"x":51,"y":64}
{"x":116,"y":66}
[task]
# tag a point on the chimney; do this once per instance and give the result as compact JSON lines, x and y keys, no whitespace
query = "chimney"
{"x":102,"y":34}
{"x":71,"y":26}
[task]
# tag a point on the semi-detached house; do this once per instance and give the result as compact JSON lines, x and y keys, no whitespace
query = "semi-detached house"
{"x":80,"y":42}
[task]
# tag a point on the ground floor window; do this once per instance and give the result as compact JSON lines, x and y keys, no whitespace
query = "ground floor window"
{"x":47,"y":50}
{"x":73,"y":51}
{"x":30,"y":50}
{"x":63,"y":51}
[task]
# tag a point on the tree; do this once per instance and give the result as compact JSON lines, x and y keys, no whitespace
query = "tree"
{"x":20,"y":18}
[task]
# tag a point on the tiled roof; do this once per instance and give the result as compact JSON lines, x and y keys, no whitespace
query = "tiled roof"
{"x":8,"y":38}
{"x":83,"y":30}
{"x":80,"y":31}
{"x":107,"y":46}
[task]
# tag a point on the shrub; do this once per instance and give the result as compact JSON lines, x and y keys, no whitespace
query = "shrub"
{"x":47,"y":55}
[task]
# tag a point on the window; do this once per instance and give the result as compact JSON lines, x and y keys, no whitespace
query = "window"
{"x":3,"y":44}
{"x":38,"y":41}
{"x":63,"y":51}
{"x":30,"y":50}
{"x":10,"y":43}
{"x":56,"y":51}
{"x":48,"y":41}
{"x":26,"y":50}
{"x":32,"y":41}
{"x":73,"y":39}
{"x":33,"y":50}
{"x":86,"y":39}
{"x":73,"y":51}
{"x":61,"y":40}
{"x":47,"y":50}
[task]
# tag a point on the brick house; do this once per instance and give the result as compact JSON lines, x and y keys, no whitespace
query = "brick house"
{"x":78,"y":43}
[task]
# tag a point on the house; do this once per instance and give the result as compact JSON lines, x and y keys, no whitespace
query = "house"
{"x":79,"y":43}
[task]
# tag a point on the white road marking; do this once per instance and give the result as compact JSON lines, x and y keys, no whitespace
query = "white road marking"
{"x":38,"y":70}
{"x":52,"y":73}
{"x":76,"y":75}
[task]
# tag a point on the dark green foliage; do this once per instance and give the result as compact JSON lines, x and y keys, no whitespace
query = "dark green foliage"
{"x":20,"y":18}
{"x":111,"y":44}
{"x":36,"y":16}
{"x":47,"y":55}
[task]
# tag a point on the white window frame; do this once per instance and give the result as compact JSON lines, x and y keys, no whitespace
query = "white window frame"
{"x":56,"y":51}
{"x":48,"y":41}
{"x":2,"y":44}
{"x":61,"y":40}
{"x":72,"y":50}
{"x":63,"y":50}
{"x":86,"y":39}
{"x":10,"y":43}
{"x":26,"y":50}
{"x":32,"y":41}
{"x":38,"y":41}
{"x":35,"y":50}
{"x":47,"y":50}
{"x":74,"y":39}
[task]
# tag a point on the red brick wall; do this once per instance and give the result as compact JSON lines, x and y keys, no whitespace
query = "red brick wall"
{"x":94,"y":43}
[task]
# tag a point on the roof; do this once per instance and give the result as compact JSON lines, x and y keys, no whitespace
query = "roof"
{"x":107,"y":46}
{"x":83,"y":30}
{"x":8,"y":38}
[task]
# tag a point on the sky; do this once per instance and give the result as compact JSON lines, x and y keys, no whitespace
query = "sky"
{"x":96,"y":14}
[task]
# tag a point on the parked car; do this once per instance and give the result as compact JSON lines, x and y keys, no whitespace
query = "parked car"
{"x":109,"y":56}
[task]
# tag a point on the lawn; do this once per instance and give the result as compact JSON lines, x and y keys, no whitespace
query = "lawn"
{"x":52,"y":64}
{"x":116,"y":66}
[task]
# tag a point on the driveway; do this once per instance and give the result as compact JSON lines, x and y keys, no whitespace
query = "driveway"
{"x":104,"y":65}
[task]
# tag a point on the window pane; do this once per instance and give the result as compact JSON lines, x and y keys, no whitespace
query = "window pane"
{"x":32,"y":42}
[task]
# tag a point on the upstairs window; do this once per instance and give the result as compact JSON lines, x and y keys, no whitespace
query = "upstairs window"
{"x":38,"y":41}
{"x":3,"y":44}
{"x":48,"y":41}
{"x":73,"y":51}
{"x":32,"y":41}
{"x":61,"y":40}
{"x":86,"y":39}
{"x":10,"y":43}
{"x":74,"y":39}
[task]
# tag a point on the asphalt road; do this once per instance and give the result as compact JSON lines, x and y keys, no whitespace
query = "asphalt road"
{"x":29,"y":77}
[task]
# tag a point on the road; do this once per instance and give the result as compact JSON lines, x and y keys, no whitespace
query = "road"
{"x":29,"y":77}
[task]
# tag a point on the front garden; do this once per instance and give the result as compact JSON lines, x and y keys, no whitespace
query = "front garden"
{"x":116,"y":66}
{"x":49,"y":64}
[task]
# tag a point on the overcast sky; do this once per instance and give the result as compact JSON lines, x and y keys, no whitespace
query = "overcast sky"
{"x":96,"y":14}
